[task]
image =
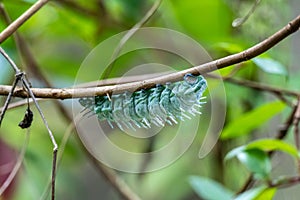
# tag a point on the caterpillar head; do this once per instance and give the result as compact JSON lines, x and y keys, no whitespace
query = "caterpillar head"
{"x":197,"y":84}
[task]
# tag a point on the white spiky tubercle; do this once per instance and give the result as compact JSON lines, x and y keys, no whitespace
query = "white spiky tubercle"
{"x":158,"y":105}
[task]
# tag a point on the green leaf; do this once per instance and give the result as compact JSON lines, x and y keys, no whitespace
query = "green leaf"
{"x":254,"y":155}
{"x":273,"y":144}
{"x":270,"y":66}
{"x":251,"y":120}
{"x":229,"y":47}
{"x":266,"y":194}
{"x":210,"y":189}
{"x":186,"y":12}
{"x":251,"y":194}
{"x":257,"y":161}
{"x":259,"y":193}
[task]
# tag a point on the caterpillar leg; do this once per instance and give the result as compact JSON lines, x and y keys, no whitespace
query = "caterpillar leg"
{"x":110,"y":124}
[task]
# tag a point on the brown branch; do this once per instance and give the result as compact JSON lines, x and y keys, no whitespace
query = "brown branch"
{"x":248,"y":184}
{"x":252,"y":52}
{"x":296,"y":124}
{"x":8,"y":31}
{"x":286,"y":126}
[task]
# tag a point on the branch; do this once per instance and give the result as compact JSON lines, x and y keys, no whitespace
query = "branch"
{"x":296,"y":124}
{"x":252,"y":52}
{"x":19,"y":21}
{"x":284,"y":128}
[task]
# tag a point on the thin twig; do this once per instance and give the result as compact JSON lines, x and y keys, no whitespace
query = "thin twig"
{"x":296,"y":131}
{"x":128,"y":35}
{"x":252,"y":52}
{"x":287,"y":124}
{"x":278,"y":92}
{"x":63,"y":144}
{"x":249,"y":183}
{"x":17,"y":166}
{"x":257,"y":86}
{"x":8,"y":31}
{"x":240,"y":21}
{"x":55,"y":147}
{"x":10,"y":61}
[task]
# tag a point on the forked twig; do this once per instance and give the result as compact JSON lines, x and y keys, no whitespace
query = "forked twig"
{"x":18,"y":77}
{"x":9,"y":96}
{"x":27,"y":87}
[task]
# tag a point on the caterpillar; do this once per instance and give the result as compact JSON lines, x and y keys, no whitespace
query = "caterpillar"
{"x":159,"y":105}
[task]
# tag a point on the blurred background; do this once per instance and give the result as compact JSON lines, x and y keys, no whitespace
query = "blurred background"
{"x":62,"y":34}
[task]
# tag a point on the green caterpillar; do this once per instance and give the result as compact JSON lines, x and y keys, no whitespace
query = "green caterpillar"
{"x":159,"y":105}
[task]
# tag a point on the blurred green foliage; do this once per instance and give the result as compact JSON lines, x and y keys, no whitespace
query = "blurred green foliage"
{"x":62,"y":34}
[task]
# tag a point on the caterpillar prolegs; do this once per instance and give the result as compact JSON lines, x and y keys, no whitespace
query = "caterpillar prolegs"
{"x":159,"y":105}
